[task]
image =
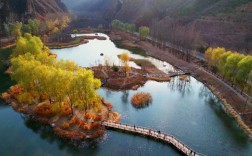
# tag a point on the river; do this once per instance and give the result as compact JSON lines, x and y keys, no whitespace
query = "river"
{"x":186,"y":110}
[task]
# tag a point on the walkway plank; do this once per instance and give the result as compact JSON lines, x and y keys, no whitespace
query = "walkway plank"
{"x":154,"y":134}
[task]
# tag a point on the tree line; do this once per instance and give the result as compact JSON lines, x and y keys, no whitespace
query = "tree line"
{"x":143,"y":30}
{"x":232,"y":66}
{"x":35,"y":27}
{"x":179,"y":37}
{"x":42,"y":77}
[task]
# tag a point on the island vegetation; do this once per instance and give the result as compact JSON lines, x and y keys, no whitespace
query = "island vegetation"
{"x":141,"y":99}
{"x":58,"y":93}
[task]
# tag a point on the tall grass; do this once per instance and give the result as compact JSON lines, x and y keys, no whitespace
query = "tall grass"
{"x":141,"y":99}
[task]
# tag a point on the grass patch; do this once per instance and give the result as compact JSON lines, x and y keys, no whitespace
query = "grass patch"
{"x":134,"y":50}
{"x":144,"y":63}
{"x":141,"y":99}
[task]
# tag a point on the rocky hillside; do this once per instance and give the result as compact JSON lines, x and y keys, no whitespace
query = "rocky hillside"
{"x":225,"y":23}
{"x":12,"y":10}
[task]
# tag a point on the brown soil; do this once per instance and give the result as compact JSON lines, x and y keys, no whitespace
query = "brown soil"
{"x":235,"y":101}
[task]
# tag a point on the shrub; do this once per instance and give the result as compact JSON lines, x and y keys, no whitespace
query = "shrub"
{"x":85,"y":126}
{"x":141,"y":99}
{"x":66,"y":110}
{"x":25,"y":98}
{"x":43,"y":97}
{"x":15,"y":90}
{"x":5,"y":96}
{"x":56,"y":107}
{"x":94,"y":125}
{"x":65,"y":125}
{"x":108,"y":104}
{"x":44,"y":109}
{"x":73,"y":120}
{"x":88,"y":115}
{"x":93,"y":116}
{"x":79,"y":122}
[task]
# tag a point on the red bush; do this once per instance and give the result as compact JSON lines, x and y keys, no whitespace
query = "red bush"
{"x":44,"y":110}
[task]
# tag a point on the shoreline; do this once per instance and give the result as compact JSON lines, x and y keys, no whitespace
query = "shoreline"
{"x":68,"y":45}
{"x":82,"y":125}
{"x":71,"y":44}
{"x":228,"y":97}
{"x":136,"y":78}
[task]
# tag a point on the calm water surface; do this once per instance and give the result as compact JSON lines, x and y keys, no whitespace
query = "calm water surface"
{"x":187,"y":110}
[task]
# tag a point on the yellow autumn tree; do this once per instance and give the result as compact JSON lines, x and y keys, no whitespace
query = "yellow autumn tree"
{"x":124,"y":57}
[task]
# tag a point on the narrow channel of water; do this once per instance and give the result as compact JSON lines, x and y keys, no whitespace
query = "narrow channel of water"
{"x":187,"y":110}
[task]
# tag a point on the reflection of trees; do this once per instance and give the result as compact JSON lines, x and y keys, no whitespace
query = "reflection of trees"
{"x":108,"y":93}
{"x":182,"y":86}
{"x":3,"y":104}
{"x":205,"y":92}
{"x":125,"y":96}
{"x":73,"y":147}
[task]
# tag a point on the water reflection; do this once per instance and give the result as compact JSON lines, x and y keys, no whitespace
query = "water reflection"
{"x":205,"y":93}
{"x":182,"y":86}
{"x":109,"y":93}
{"x":46,"y":133}
{"x":125,"y":96}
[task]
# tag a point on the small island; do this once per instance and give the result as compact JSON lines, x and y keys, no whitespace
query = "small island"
{"x":125,"y":77}
{"x":56,"y":93}
{"x":68,"y":40}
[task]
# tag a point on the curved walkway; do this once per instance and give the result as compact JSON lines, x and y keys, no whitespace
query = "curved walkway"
{"x":153,"y":134}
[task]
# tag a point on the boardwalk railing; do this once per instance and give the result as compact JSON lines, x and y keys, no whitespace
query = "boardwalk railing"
{"x":153,"y":134}
{"x":173,"y":74}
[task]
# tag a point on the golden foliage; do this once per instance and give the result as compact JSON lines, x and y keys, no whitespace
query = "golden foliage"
{"x":25,"y":98}
{"x":79,"y":122}
{"x":141,"y":99}
{"x":44,"y":109}
{"x":15,"y":90}
{"x":5,"y":96}
{"x":65,"y":110}
{"x":65,"y":125}
{"x":93,"y":116}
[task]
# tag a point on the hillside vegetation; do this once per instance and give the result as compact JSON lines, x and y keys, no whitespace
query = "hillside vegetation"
{"x":225,"y":23}
{"x":19,"y":10}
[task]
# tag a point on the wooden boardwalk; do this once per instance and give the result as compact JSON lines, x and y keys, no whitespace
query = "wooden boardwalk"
{"x":153,"y":134}
{"x":173,"y":74}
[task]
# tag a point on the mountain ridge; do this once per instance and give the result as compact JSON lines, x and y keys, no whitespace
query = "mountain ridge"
{"x":226,"y":23}
{"x":20,"y":10}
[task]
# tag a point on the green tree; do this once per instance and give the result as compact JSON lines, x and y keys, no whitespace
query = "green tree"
{"x":6,"y":29}
{"x":208,"y":56}
{"x":144,"y":32}
{"x":42,"y":76}
{"x":16,"y":28}
{"x":222,"y":62}
{"x":216,"y":54}
{"x":28,"y":44}
{"x":26,"y":28}
{"x":244,"y":68}
{"x":250,"y":81}
{"x":132,"y":28}
{"x":231,"y":65}
{"x":34,"y":25}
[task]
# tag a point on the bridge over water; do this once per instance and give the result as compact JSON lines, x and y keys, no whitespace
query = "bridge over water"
{"x":153,"y":134}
